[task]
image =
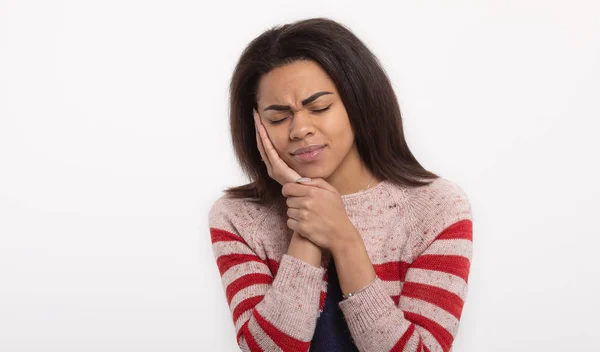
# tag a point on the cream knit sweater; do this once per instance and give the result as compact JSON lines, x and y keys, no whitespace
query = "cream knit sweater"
{"x":419,"y":241}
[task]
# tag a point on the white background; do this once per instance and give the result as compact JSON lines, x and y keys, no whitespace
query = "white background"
{"x":114,"y":143}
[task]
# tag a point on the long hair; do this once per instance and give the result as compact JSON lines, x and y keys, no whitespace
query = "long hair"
{"x":363,"y":86}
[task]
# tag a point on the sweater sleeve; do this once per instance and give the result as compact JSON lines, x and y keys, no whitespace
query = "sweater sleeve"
{"x":270,"y":312}
{"x":433,"y":293}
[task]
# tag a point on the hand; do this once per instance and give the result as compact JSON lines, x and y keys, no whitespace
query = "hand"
{"x":317,"y":212}
{"x":276,"y":167}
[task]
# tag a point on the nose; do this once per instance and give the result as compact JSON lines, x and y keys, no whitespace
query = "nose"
{"x":302,"y":126}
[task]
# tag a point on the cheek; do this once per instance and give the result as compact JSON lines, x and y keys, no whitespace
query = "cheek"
{"x":279,"y":142}
{"x":339,"y":131}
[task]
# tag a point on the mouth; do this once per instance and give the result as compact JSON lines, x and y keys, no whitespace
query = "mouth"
{"x":311,"y":154}
{"x":307,"y":149}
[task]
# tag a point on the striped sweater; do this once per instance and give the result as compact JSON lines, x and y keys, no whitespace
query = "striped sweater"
{"x":419,"y":241}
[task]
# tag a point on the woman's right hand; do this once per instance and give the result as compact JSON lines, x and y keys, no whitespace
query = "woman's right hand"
{"x":299,"y":247}
{"x":276,"y":167}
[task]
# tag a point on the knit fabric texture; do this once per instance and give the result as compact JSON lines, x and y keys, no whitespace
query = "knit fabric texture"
{"x":419,"y":240}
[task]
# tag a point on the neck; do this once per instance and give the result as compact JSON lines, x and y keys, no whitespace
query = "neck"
{"x":352,"y":175}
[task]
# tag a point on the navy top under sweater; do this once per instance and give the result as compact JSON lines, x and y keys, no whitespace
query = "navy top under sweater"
{"x":331,"y":333}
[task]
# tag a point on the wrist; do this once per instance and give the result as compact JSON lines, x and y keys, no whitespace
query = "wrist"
{"x":347,"y":243}
{"x":354,"y":268}
{"x":303,"y":249}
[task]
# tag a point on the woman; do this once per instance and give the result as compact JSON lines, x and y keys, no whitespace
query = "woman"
{"x":342,"y":241}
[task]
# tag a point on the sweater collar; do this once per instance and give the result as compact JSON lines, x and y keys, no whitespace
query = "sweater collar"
{"x":378,"y":190}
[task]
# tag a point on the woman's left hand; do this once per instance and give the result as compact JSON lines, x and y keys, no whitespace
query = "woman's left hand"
{"x":316,"y":211}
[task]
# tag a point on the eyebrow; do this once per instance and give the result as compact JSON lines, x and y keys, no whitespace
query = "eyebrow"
{"x":304,"y":102}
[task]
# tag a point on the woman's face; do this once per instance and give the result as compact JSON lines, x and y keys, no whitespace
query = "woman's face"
{"x":291,"y":124}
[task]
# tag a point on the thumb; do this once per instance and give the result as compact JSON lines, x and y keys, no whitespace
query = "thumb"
{"x":318,"y":182}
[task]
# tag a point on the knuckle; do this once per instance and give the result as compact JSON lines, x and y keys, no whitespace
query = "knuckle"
{"x":302,"y":228}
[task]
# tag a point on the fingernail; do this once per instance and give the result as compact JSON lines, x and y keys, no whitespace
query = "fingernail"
{"x":303,"y":179}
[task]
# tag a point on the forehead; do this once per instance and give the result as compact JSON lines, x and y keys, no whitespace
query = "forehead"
{"x":290,"y":84}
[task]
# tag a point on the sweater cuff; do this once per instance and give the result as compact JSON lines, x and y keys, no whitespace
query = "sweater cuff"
{"x":364,"y":309}
{"x":298,"y":280}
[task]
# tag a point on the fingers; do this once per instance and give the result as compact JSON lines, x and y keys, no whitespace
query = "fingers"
{"x":294,"y":213}
{"x":267,"y":146}
{"x":293,"y":224}
{"x":258,"y":138}
{"x":261,"y":149}
{"x":277,"y":168}
{"x":321,"y":183}
{"x":297,"y":202}
{"x":293,"y":189}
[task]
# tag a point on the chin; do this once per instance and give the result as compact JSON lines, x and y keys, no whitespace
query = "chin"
{"x":312,"y":171}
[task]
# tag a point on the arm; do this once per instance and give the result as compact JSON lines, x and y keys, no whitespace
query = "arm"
{"x":305,"y":250}
{"x":430,"y":304}
{"x":271,"y":310}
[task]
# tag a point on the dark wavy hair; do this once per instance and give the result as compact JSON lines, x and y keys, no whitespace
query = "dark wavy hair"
{"x":363,"y":86}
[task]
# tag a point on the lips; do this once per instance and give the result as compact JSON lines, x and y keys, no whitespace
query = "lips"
{"x":309,"y":157}
{"x":308,"y":149}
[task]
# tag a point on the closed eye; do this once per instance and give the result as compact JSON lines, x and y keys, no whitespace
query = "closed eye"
{"x":316,"y":111}
{"x":321,"y":110}
{"x":277,"y":121}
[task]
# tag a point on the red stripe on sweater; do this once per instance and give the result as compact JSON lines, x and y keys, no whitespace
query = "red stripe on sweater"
{"x":219,"y":235}
{"x":322,"y":300}
{"x":451,"y":264}
{"x":273,"y":265}
{"x":323,"y":294}
{"x":462,"y":229}
{"x":246,"y":281}
{"x":443,"y":337}
{"x":226,"y":261}
{"x":420,"y":346}
{"x":281,"y":339}
{"x":396,"y":299}
{"x":240,"y":332}
{"x":399,"y":346}
{"x":391,"y":271}
{"x":442,"y":298}
{"x":245,"y":305}
{"x":250,"y":341}
{"x":425,"y":349}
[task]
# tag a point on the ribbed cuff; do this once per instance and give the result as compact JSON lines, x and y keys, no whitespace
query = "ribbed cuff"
{"x":362,"y":310}
{"x":298,"y":280}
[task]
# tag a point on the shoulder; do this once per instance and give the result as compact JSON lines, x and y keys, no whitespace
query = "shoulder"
{"x":236,"y":215}
{"x":440,"y":196}
{"x":435,"y":207}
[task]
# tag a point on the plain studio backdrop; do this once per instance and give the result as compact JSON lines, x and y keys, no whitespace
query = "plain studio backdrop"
{"x":114,"y":143}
